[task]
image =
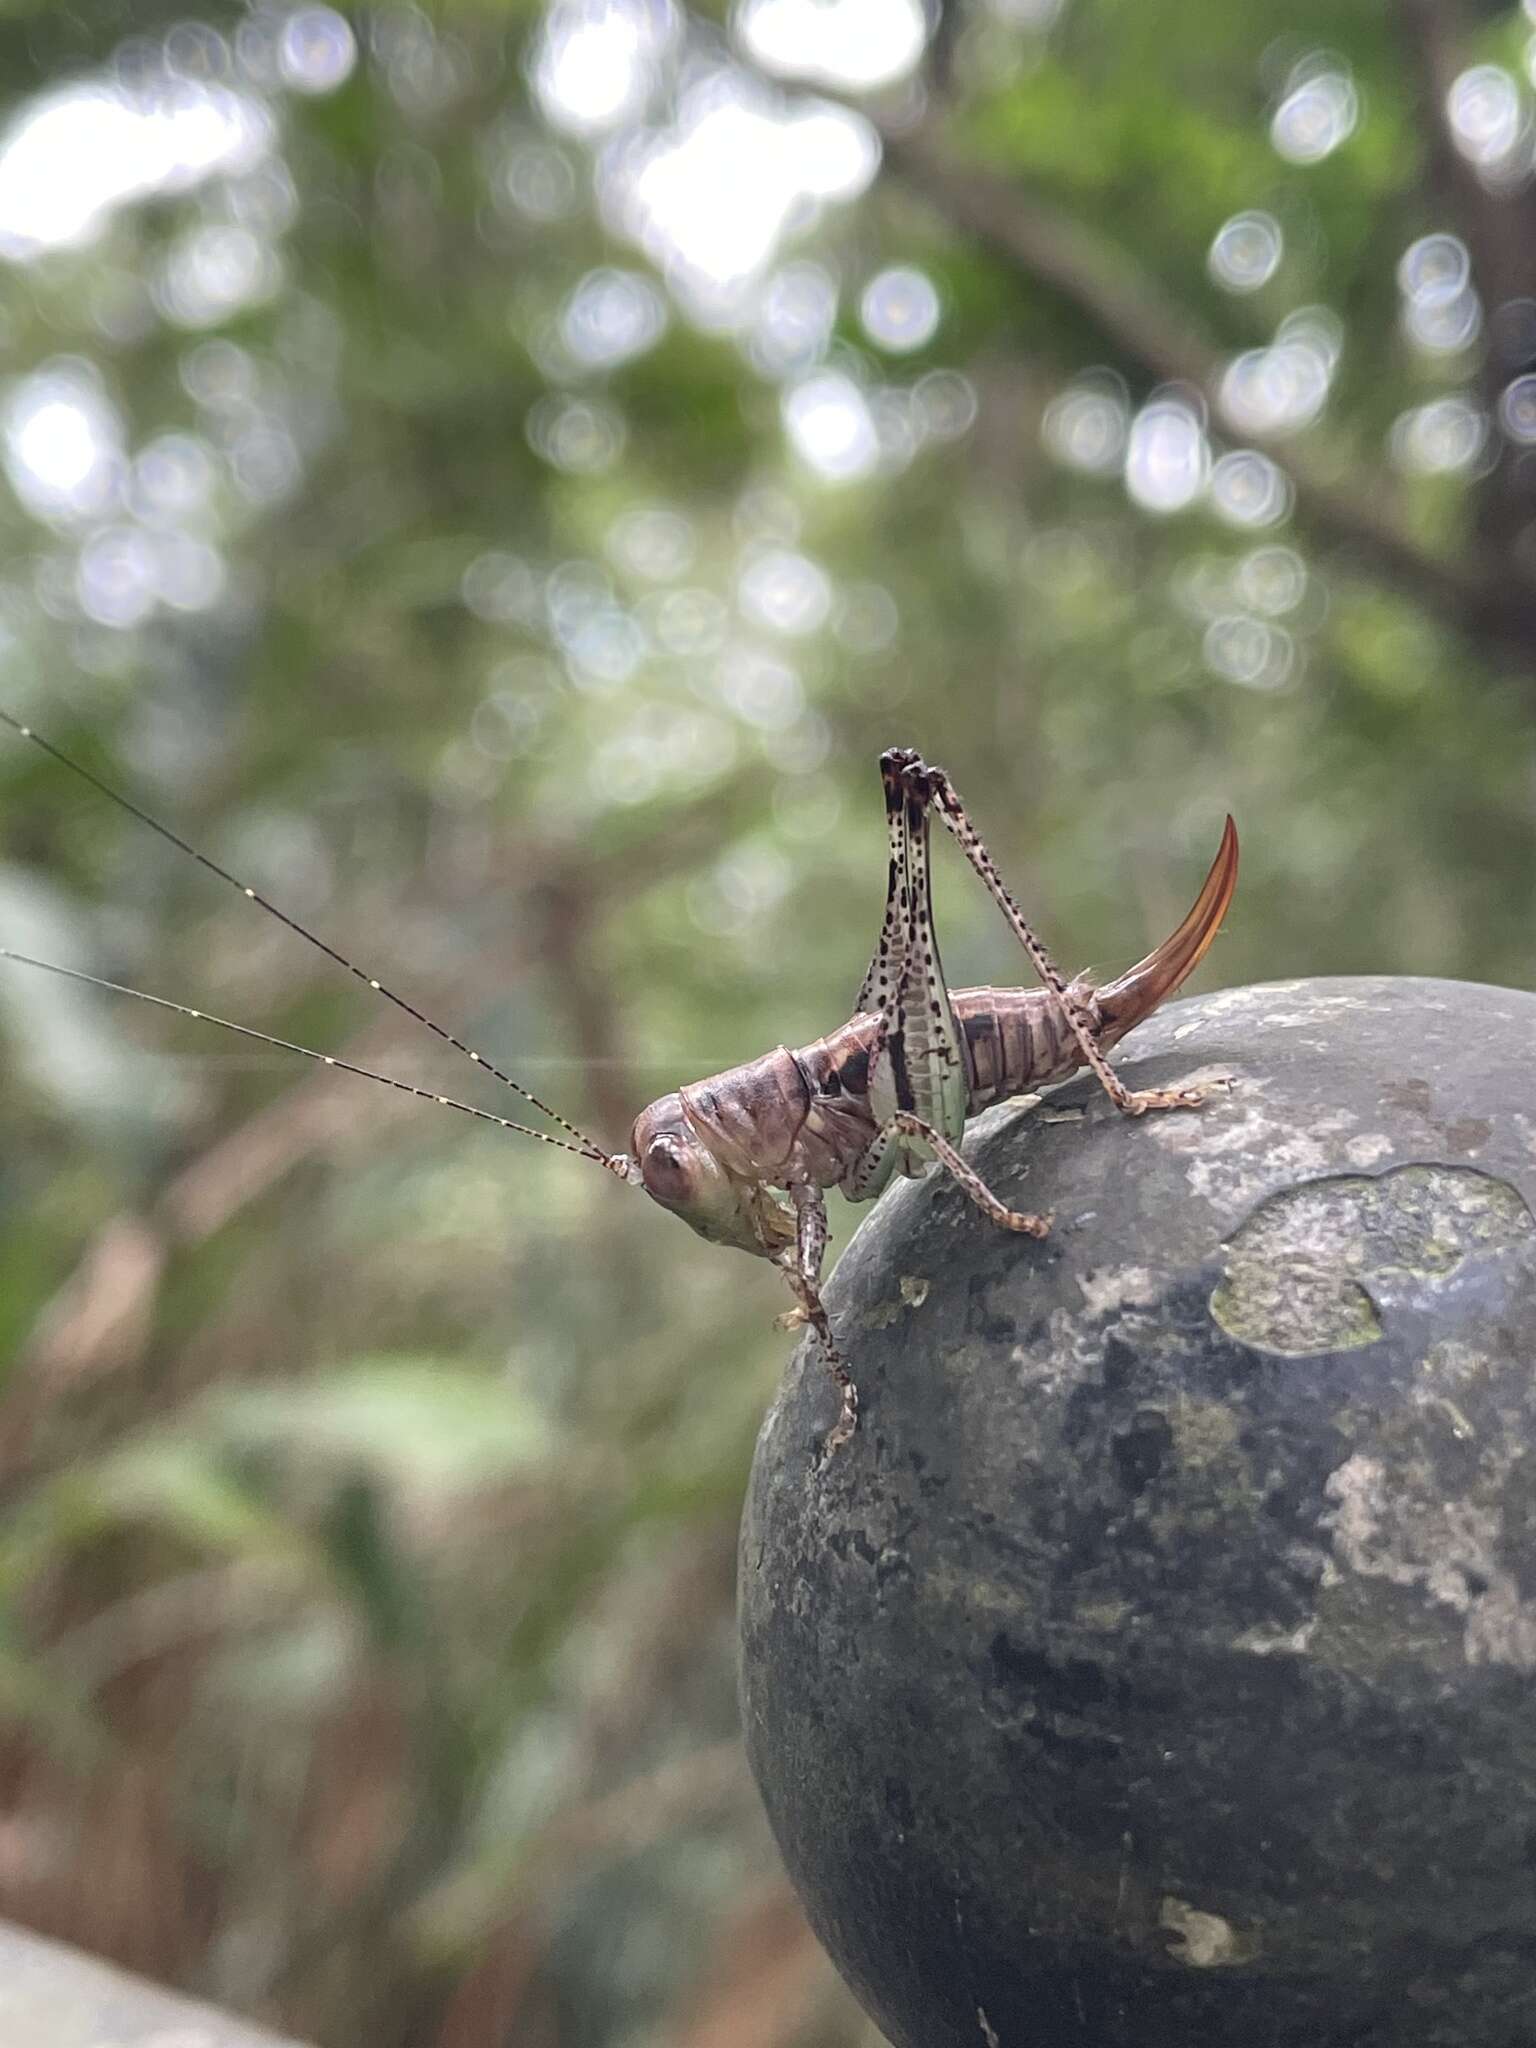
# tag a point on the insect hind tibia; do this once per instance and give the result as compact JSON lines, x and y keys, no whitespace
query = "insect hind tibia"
{"x":583,"y":1146}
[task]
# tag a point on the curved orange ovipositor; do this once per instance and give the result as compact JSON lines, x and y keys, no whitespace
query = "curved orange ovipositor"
{"x":1136,"y":994}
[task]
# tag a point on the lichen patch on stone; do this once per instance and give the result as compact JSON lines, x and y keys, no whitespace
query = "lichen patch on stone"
{"x":1293,"y":1308}
{"x":1299,"y":1271}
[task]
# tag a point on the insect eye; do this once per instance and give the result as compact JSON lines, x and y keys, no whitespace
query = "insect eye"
{"x":665,"y":1168}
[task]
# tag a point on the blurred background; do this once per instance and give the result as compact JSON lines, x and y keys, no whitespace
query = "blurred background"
{"x":495,"y":478}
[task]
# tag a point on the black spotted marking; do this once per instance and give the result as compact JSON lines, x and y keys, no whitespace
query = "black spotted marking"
{"x":901,"y":1079}
{"x":854,"y":1073}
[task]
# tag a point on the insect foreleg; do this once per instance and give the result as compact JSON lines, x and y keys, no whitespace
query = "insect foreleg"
{"x":801,"y":1267}
{"x":1134,"y":1102}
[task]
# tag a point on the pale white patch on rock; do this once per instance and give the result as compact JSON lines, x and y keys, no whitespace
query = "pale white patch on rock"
{"x":1262,"y":1642}
{"x":1203,"y":1940}
{"x":1106,"y":1288}
{"x":1448,"y":1549}
{"x":1368,"y":1148}
{"x":1237,"y":1159}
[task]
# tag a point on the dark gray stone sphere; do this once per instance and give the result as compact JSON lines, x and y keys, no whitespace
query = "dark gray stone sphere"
{"x":1157,"y":1666}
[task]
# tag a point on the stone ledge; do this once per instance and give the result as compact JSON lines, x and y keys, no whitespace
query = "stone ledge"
{"x":55,"y":1997}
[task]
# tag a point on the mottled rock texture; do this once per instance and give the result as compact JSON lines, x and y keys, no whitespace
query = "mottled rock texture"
{"x":1158,"y":1664}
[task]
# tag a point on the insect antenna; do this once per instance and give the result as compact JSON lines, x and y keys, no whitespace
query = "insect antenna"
{"x":583,"y":1146}
{"x":323,"y":1059}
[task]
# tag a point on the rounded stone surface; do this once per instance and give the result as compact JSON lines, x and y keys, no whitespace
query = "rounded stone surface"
{"x":1158,"y":1663}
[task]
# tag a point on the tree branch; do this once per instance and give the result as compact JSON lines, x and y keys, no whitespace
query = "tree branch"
{"x":1498,"y":226}
{"x":1147,"y":326}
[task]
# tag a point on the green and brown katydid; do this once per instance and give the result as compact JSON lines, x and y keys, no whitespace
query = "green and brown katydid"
{"x":745,"y":1158}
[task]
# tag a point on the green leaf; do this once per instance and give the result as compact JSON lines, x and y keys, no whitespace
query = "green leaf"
{"x":409,"y":1421}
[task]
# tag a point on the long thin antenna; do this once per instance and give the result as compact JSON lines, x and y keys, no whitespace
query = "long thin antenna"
{"x":323,"y":1059}
{"x":586,"y":1146}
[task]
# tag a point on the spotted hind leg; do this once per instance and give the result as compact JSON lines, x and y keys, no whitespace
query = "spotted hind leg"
{"x":1133,"y":1102}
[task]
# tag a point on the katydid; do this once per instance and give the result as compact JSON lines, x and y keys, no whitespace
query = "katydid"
{"x":745,"y":1158}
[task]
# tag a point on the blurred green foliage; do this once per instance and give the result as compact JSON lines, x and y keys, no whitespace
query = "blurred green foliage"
{"x":525,"y":608}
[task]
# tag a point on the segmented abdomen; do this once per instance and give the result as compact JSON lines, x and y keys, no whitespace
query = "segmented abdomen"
{"x":1012,"y":1040}
{"x":1015,"y":1039}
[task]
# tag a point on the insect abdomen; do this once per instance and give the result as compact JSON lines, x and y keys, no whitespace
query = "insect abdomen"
{"x":1015,"y":1039}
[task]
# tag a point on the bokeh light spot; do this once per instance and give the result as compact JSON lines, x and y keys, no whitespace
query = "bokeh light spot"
{"x":1484,"y":113}
{"x":712,"y":197}
{"x":172,"y":479}
{"x":1280,"y":389}
{"x":653,"y":542}
{"x":538,"y":180}
{"x":1319,"y":110}
{"x":852,"y":45}
{"x":316,"y":51}
{"x":1443,"y":438}
{"x":760,"y":688}
{"x":945,"y":405}
{"x":1167,"y":458}
{"x":1434,"y":269}
{"x":501,"y":589}
{"x":63,"y":441}
{"x":784,"y":591}
{"x":1247,"y":489}
{"x":688,"y":622}
{"x":1246,"y":252}
{"x":900,"y":310}
{"x":597,"y":61}
{"x":793,"y":320}
{"x":1443,"y":326}
{"x":829,"y":426}
{"x":115,"y":577}
{"x":214,"y":272}
{"x":1272,"y":580}
{"x":612,"y":316}
{"x":1517,"y":410}
{"x":1086,"y":425}
{"x":189,"y":574}
{"x":582,"y":436}
{"x":1248,"y":651}
{"x":71,"y":158}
